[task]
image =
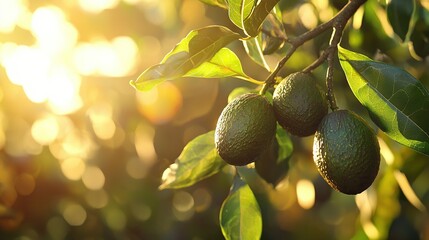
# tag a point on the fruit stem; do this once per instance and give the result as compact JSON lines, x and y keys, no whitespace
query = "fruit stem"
{"x":338,"y":23}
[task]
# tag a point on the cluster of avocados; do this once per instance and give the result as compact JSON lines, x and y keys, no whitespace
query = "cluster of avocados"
{"x":345,"y":149}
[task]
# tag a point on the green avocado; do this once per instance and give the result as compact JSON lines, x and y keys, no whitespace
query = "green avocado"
{"x":299,"y":104}
{"x":244,"y":129}
{"x":346,"y":152}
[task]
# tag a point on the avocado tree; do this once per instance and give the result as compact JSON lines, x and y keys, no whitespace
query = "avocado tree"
{"x":346,"y":151}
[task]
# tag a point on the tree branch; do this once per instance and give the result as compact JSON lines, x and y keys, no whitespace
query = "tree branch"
{"x":338,"y":23}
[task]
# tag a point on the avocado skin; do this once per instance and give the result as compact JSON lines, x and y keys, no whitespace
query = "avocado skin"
{"x":299,"y":104}
{"x":244,"y":129}
{"x":346,"y":152}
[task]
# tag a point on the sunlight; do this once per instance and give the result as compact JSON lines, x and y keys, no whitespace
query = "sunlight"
{"x":115,"y":59}
{"x":307,"y":16}
{"x":63,"y":91}
{"x":45,"y":129}
{"x":10,"y":13}
{"x":73,"y":168}
{"x":53,"y":32}
{"x":306,"y":194}
{"x":93,"y":178}
{"x":97,"y":6}
{"x":102,"y":123}
{"x":160,"y":104}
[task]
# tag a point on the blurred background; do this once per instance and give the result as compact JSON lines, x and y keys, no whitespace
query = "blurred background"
{"x":82,"y":152}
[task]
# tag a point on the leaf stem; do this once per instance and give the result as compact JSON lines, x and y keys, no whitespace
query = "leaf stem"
{"x":338,"y":23}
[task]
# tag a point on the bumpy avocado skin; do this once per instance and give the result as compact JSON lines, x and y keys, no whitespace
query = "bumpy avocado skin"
{"x":346,"y":152}
{"x":299,"y":104}
{"x":244,"y":129}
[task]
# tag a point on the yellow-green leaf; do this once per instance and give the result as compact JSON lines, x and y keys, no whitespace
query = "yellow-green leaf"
{"x":240,"y":215}
{"x":198,"y":47}
{"x":198,"y":160}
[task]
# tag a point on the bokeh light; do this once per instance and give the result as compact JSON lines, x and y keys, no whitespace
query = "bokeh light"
{"x":74,"y":214}
{"x":93,"y":178}
{"x":83,"y":153}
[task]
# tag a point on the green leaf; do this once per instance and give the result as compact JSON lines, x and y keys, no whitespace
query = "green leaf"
{"x":400,"y":15}
{"x":254,"y":50}
{"x":419,"y":37}
{"x":198,"y":160}
{"x":249,"y":14}
{"x":238,"y":10}
{"x":252,"y":24}
{"x":240,"y":216}
{"x":223,"y":64}
{"x":218,"y":3}
{"x":198,"y":47}
{"x":397,"y":102}
{"x":273,"y":164}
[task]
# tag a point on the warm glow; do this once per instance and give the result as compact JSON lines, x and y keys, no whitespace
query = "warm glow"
{"x":143,"y":140}
{"x":102,"y":122}
{"x":10,"y":13}
{"x":51,"y":29}
{"x":305,"y":193}
{"x":116,"y":58}
{"x":96,"y":6}
{"x":73,"y":168}
{"x":307,"y":15}
{"x":93,"y":178}
{"x":45,"y":130}
{"x":161,"y":103}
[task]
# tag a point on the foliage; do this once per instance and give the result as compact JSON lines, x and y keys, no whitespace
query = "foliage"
{"x":397,"y":102}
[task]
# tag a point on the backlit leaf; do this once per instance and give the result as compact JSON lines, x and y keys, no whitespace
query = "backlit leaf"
{"x":254,"y":50}
{"x":238,"y":10}
{"x":223,"y":64}
{"x":252,"y":24}
{"x":249,"y":14}
{"x":198,"y":47}
{"x":240,"y":215}
{"x":397,"y":102}
{"x":198,"y":160}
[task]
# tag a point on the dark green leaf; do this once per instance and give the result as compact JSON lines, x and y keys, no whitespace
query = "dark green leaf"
{"x":198,"y":160}
{"x":219,"y":3}
{"x":399,"y":13}
{"x":223,"y":64}
{"x":273,"y":164}
{"x":420,"y":35}
{"x":397,"y":102}
{"x":240,"y":216}
{"x":198,"y":47}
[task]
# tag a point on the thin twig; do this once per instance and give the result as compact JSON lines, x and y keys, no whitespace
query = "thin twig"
{"x":338,"y":22}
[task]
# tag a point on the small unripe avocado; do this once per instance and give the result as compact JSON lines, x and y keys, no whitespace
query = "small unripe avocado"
{"x":299,"y":104}
{"x":346,"y":152}
{"x":244,"y":129}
